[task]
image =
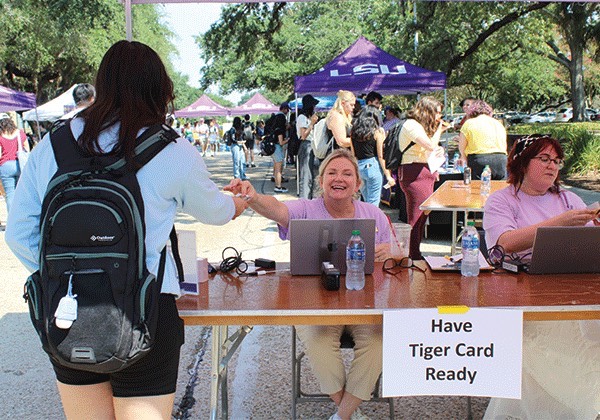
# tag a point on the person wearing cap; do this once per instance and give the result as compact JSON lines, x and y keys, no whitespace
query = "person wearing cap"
{"x":9,"y":166}
{"x":279,"y":130}
{"x":307,"y":169}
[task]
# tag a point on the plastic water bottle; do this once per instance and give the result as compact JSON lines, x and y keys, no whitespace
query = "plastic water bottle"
{"x":446,"y":160}
{"x":469,"y":266}
{"x":486,"y":180}
{"x":355,"y":262}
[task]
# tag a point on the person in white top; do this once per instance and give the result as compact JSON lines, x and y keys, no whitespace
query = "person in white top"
{"x":307,"y":169}
{"x":176,"y":178}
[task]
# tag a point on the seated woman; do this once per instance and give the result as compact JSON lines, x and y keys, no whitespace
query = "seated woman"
{"x":339,"y":182}
{"x":561,"y":359}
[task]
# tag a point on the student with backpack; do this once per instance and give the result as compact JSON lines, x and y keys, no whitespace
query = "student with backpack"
{"x":237,"y":144}
{"x":423,"y":127}
{"x":249,"y":132}
{"x":114,"y":202}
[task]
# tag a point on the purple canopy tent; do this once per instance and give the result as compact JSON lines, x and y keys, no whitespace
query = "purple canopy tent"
{"x":12,"y":100}
{"x":364,"y":67}
{"x":203,"y":107}
{"x":258,"y":104}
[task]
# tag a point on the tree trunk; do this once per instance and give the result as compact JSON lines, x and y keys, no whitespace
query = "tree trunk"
{"x":576,"y":38}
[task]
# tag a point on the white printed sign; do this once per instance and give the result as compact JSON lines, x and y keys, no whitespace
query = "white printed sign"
{"x":476,"y":353}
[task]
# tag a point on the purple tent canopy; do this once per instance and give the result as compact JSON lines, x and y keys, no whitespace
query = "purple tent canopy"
{"x":363,"y":67}
{"x":258,"y":104}
{"x":203,"y":107}
{"x":12,"y":100}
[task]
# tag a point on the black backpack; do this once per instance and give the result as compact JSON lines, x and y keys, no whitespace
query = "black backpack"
{"x":93,"y":258}
{"x":267,"y":145}
{"x":248,"y":131}
{"x":391,"y":147}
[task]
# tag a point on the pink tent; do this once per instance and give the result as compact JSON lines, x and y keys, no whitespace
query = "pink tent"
{"x":203,"y":107}
{"x":258,"y":104}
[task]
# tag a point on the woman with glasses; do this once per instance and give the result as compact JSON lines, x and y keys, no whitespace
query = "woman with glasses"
{"x":482,"y":141}
{"x":339,"y":182}
{"x":533,"y":197}
{"x":560,"y":359}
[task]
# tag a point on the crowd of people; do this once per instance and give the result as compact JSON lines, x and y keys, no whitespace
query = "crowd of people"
{"x":347,"y":183}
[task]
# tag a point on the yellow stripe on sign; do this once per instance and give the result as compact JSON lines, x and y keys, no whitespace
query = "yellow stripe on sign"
{"x":455,"y":309}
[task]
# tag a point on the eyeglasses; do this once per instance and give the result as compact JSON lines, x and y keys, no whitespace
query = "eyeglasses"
{"x":545,"y":159}
{"x":406,"y":262}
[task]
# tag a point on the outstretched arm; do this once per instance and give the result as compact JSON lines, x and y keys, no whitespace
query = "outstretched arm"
{"x":265,"y":205}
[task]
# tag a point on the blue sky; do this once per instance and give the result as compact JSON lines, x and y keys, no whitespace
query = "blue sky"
{"x":188,"y":20}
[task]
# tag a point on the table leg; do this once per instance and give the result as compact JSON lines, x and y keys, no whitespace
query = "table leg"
{"x":223,"y":348}
{"x":454,"y":236}
{"x":217,"y":342}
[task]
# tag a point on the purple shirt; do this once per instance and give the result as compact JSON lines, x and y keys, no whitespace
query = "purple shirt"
{"x":505,"y":211}
{"x":315,"y":209}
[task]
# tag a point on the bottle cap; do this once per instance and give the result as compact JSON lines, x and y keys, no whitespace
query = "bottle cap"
{"x":356,"y":232}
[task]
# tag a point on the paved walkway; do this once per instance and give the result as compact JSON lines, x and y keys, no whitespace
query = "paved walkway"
{"x":260,"y":386}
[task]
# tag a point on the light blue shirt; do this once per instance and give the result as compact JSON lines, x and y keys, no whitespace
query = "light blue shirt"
{"x":176,"y":179}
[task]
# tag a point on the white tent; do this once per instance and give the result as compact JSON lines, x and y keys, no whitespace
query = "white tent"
{"x":54,"y":109}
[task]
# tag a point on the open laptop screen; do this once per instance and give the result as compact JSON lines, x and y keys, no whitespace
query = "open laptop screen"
{"x":313,"y":241}
{"x":566,"y":249}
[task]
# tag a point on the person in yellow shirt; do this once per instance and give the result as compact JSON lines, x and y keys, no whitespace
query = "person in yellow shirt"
{"x":482,"y":141}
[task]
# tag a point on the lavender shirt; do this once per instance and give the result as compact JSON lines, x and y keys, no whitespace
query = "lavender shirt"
{"x":315,"y":209}
{"x":504,"y":210}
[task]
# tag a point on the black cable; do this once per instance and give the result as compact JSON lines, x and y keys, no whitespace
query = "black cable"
{"x":234,"y":262}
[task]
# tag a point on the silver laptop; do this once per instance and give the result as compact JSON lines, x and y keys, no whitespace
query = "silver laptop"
{"x":314,"y":241}
{"x":566,"y":249}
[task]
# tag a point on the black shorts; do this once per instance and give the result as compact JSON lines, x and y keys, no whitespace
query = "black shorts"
{"x":153,"y":374}
{"x":250,"y":144}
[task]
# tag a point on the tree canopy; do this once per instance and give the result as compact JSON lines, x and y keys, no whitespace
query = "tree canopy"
{"x":494,"y":50}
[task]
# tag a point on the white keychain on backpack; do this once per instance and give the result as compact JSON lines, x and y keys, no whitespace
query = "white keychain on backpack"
{"x":66,"y":312}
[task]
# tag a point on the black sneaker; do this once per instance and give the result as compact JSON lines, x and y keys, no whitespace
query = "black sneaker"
{"x":280,"y":190}
{"x":253,"y":165}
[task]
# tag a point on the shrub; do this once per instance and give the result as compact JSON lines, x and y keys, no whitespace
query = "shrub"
{"x":580,"y":141}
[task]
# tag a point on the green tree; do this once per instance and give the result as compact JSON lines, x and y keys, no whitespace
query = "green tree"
{"x":48,"y":46}
{"x":482,"y":47}
{"x":579,"y":26}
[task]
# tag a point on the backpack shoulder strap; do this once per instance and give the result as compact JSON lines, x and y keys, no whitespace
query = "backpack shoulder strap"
{"x":63,"y":142}
{"x":411,"y":144}
{"x":148,"y":145}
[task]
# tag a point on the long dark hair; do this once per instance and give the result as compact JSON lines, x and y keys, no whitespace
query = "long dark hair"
{"x":133,"y":88}
{"x":238,"y":127}
{"x":365,"y":124}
